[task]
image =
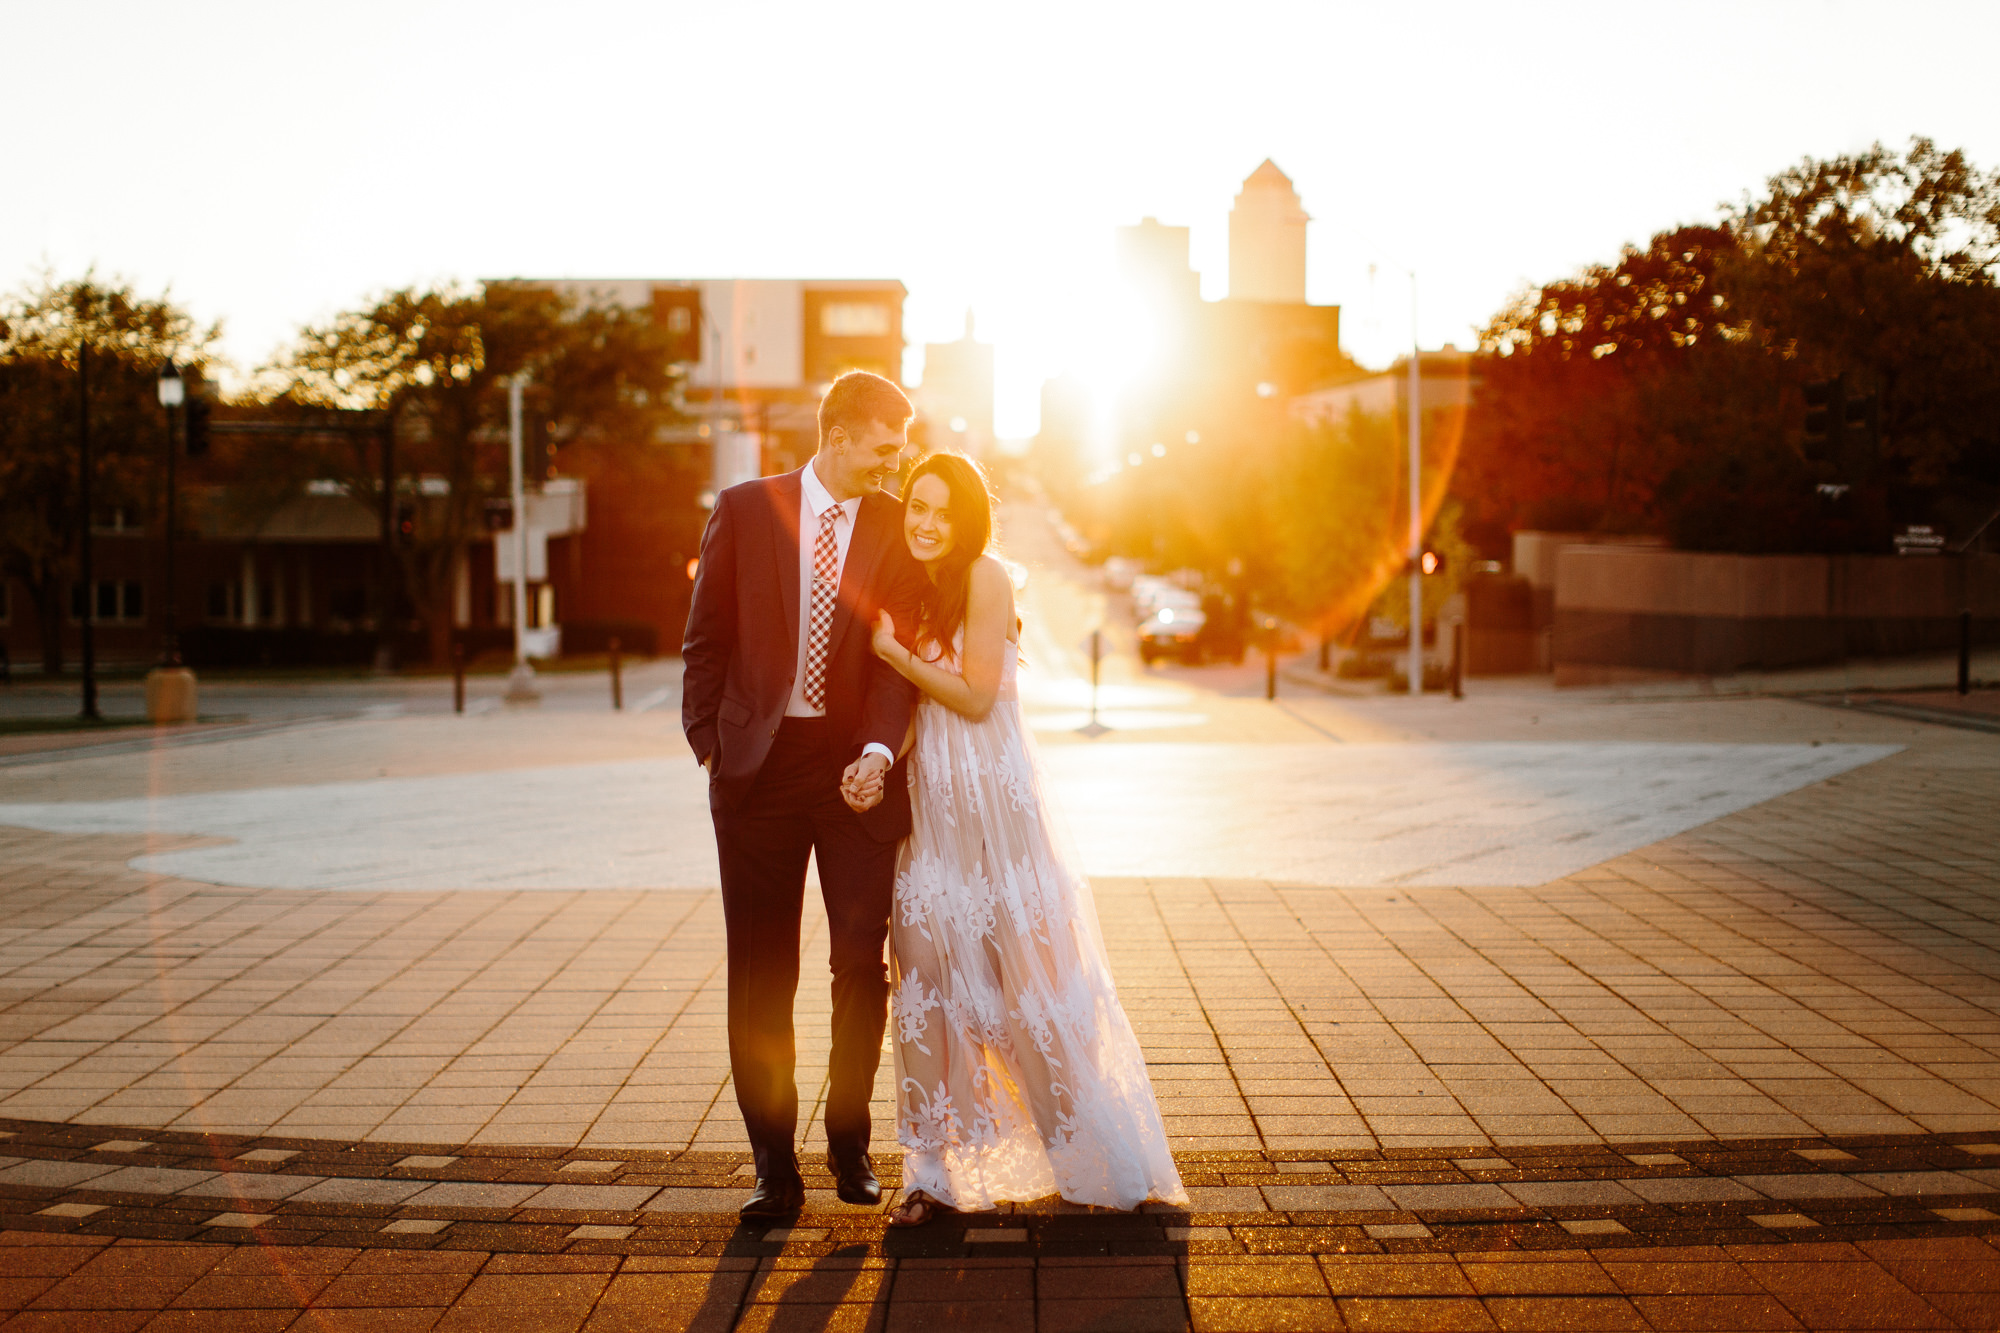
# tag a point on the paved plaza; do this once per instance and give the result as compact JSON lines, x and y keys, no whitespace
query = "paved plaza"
{"x":1592,"y":1009}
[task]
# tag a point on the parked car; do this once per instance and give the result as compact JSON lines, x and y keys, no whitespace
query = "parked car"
{"x":1172,"y":631}
{"x":1150,"y":592}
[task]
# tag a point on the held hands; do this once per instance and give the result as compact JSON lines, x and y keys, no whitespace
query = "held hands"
{"x":862,"y":785}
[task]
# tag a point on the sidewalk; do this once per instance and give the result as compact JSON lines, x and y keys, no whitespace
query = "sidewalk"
{"x":1744,"y":1076}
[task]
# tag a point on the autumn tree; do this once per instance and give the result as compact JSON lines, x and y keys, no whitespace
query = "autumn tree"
{"x":43,"y":330}
{"x":438,"y":362}
{"x":1335,"y":519}
{"x":1664,"y":392}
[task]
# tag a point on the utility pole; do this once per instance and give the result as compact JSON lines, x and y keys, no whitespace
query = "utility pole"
{"x":83,"y":497}
{"x":1416,"y":568}
{"x":385,"y":578}
{"x":521,"y":681}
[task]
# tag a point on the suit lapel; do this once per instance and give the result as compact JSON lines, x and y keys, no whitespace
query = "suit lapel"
{"x":864,"y":553}
{"x":790,"y":493}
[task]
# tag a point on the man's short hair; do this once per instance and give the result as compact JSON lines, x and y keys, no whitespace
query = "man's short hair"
{"x":858,"y":398}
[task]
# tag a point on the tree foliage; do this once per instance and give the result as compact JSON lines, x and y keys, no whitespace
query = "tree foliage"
{"x":1337,"y":520}
{"x":1664,"y":392}
{"x":42,"y":330}
{"x":439,"y":361}
{"x":1309,"y":519}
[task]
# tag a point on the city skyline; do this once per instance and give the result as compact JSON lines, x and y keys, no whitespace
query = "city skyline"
{"x":999,"y":157}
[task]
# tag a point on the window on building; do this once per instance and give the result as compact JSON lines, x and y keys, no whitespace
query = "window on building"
{"x":854,"y":319}
{"x":680,"y":320}
{"x":115,"y":602}
{"x":218,"y":601}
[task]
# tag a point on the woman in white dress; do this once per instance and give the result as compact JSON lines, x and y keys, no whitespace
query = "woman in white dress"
{"x":1017,"y":1073}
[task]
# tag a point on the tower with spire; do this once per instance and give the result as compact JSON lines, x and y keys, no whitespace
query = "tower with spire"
{"x":1267,"y":239}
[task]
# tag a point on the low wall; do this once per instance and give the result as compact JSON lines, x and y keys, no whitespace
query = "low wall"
{"x":1501,"y":637}
{"x":1618,"y":609}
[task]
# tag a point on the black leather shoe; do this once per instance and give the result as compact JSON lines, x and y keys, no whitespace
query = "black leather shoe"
{"x":854,"y":1180}
{"x":774,"y":1198}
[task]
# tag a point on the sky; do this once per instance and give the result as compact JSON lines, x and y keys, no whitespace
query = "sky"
{"x":271,"y":164}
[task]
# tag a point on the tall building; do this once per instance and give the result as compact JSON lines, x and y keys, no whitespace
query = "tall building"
{"x":1153,"y":265}
{"x":1267,"y":239}
{"x":1202,"y":365}
{"x":956,"y":396}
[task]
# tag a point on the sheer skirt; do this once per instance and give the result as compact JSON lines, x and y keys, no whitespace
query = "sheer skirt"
{"x":1017,"y":1072}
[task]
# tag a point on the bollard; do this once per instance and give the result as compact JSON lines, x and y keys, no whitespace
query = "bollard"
{"x":1965,"y":652}
{"x":1458,"y":662}
{"x":458,"y":678}
{"x":1271,"y":672}
{"x":617,"y":685}
{"x":6,"y":667}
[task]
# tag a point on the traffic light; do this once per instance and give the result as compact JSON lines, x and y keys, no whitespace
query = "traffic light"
{"x":1826,"y":416}
{"x":406,"y":523}
{"x":198,"y":409}
{"x":1841,"y":429}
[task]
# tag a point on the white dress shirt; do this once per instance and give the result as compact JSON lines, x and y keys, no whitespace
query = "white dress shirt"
{"x":814,"y":501}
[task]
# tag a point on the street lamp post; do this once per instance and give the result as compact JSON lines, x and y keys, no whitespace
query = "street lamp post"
{"x":173,"y":392}
{"x":170,"y":686}
{"x":88,"y":572}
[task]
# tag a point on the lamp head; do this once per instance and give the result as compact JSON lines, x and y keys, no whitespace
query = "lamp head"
{"x":173,"y":390}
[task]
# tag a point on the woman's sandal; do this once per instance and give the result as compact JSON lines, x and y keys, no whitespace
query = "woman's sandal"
{"x":916,"y":1209}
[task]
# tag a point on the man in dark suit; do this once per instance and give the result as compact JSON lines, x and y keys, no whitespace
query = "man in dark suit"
{"x":784,"y":702}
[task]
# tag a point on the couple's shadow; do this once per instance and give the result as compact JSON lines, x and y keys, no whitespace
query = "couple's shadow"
{"x":756,"y":1286}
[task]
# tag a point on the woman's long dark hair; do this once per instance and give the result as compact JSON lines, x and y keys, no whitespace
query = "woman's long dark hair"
{"x":943,"y":605}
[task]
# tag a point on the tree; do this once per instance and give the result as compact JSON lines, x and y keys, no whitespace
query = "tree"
{"x":438,"y":362}
{"x":1562,"y":433}
{"x":42,"y":329}
{"x":1337,"y":518}
{"x":1664,"y":392}
{"x":1883,"y":267}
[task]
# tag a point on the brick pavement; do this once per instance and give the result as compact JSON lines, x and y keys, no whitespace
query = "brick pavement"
{"x":1817,"y":972}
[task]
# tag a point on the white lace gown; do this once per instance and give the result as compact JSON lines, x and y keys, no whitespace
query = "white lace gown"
{"x":1017,"y":1073}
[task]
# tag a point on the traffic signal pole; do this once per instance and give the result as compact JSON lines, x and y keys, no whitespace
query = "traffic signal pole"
{"x":1416,"y":502}
{"x":521,"y":682}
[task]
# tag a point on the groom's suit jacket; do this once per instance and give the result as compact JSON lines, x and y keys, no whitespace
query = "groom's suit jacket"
{"x":741,"y":646}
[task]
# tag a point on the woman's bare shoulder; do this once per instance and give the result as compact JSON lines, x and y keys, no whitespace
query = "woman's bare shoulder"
{"x":991,"y":571}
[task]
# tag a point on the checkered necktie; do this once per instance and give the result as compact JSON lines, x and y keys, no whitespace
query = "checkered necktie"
{"x":819,"y":629}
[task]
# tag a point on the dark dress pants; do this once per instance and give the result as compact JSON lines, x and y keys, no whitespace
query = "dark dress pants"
{"x":794,"y":809}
